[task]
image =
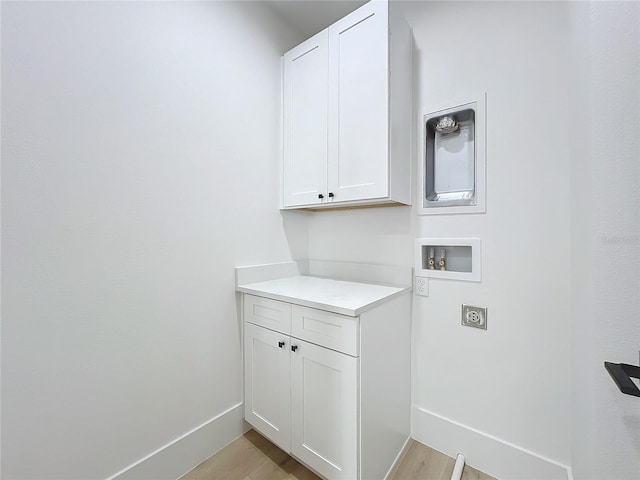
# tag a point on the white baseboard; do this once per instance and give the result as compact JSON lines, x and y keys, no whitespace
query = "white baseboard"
{"x":489,"y":454}
{"x":189,"y":450}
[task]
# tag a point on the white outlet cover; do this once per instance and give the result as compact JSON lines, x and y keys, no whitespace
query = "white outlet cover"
{"x":421,"y":287}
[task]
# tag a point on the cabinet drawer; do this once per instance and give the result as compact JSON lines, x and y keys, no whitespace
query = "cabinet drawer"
{"x":338,"y":332}
{"x":268,"y":313}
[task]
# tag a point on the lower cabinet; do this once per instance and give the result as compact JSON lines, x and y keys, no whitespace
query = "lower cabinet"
{"x":304,"y":394}
{"x":304,"y":398}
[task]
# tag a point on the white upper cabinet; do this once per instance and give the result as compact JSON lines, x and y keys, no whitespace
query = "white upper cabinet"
{"x":347,"y":126}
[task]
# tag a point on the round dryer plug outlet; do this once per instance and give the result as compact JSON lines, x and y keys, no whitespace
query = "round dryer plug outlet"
{"x":474,"y":316}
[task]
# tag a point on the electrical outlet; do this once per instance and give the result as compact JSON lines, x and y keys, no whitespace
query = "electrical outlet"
{"x":422,"y":286}
{"x":474,"y":316}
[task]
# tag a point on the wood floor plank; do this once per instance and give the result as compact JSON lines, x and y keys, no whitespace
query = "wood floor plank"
{"x":250,"y":457}
{"x":235,"y":461}
{"x":401,"y":457}
{"x":268,"y":469}
{"x":424,"y":463}
{"x":470,"y":473}
{"x":253,"y":457}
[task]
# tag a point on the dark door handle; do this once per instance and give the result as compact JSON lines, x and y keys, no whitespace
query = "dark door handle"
{"x":330,"y":194}
{"x":320,"y":196}
{"x":280,"y":344}
{"x":622,"y":374}
{"x":294,"y":348}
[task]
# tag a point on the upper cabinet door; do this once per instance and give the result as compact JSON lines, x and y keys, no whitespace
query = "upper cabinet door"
{"x":359,"y":104}
{"x":305,"y":122}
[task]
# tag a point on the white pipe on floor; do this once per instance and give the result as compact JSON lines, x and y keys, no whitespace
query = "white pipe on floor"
{"x":458,"y":467}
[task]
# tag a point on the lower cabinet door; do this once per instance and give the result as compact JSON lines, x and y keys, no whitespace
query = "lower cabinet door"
{"x":324,"y":410}
{"x":267,"y":386}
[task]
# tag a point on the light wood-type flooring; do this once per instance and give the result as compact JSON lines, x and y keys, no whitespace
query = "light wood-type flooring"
{"x":253,"y":457}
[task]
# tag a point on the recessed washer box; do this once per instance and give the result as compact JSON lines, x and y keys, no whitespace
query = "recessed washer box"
{"x":463,"y":260}
{"x":453,"y":159}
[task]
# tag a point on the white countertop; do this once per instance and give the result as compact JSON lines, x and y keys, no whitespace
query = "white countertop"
{"x":338,"y":296}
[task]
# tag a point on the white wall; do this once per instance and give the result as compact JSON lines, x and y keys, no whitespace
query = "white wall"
{"x":139,"y":166}
{"x":605,"y":215}
{"x":511,"y":382}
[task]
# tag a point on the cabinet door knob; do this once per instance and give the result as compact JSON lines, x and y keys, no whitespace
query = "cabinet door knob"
{"x":294,"y":348}
{"x":320,"y":196}
{"x":330,"y":194}
{"x":280,"y":344}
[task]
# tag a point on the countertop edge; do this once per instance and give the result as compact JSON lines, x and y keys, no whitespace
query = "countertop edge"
{"x":323,"y":306}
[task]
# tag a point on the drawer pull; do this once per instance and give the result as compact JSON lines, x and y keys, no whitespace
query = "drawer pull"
{"x":294,"y":348}
{"x":280,"y":344}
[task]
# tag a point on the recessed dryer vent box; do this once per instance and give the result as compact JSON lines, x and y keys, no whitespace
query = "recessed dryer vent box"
{"x":462,"y":258}
{"x":453,"y":160}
